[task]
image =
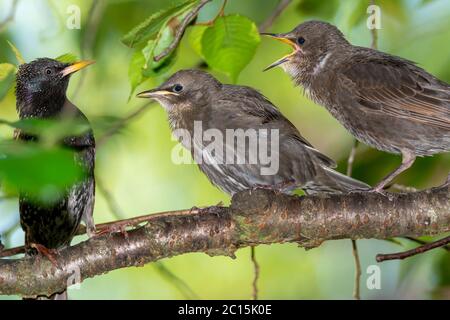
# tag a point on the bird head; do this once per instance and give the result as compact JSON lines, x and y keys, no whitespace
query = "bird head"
{"x":184,"y":91}
{"x":45,"y":78}
{"x":311,"y":41}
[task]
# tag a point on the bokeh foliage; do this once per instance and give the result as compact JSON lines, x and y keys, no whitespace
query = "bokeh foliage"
{"x":136,"y":163}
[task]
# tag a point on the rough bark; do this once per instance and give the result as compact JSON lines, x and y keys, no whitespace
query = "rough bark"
{"x":253,"y":218}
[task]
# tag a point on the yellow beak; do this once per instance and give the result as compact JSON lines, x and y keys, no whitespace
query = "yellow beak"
{"x":154,"y":93}
{"x":76,"y":67}
{"x":285,"y":39}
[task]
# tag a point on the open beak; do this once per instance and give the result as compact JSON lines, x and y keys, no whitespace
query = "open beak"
{"x":155,"y":93}
{"x":76,"y":67}
{"x":286,"y":38}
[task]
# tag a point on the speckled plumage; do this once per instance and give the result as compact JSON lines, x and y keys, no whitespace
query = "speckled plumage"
{"x":385,"y":101}
{"x":41,"y":93}
{"x":219,"y":106}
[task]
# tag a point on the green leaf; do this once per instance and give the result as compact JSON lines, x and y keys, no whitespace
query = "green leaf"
{"x":135,"y":70}
{"x":149,"y":29}
{"x":195,"y":38}
{"x":50,"y":131}
{"x":5,"y":70}
{"x":67,"y":58}
{"x":229,"y":45}
{"x":152,"y":38}
{"x":40,"y":172}
{"x":7,"y":74}
{"x":17,"y":53}
{"x":154,"y":48}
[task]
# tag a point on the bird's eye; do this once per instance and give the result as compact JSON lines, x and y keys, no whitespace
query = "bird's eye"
{"x":301,"y":40}
{"x":177,"y":88}
{"x":48,"y":71}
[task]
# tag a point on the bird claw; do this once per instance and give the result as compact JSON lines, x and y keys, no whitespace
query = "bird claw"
{"x":91,"y":231}
{"x":50,"y":254}
{"x":112,"y":229}
{"x":194,"y":208}
{"x":382,"y":192}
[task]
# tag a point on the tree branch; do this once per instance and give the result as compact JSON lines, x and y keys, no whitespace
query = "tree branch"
{"x":254,"y":217}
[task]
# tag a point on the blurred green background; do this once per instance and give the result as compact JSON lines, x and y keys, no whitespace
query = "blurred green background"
{"x":135,"y":165}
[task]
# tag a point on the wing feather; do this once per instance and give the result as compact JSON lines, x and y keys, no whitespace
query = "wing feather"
{"x":396,"y":87}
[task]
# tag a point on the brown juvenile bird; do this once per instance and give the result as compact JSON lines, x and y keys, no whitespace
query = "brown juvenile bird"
{"x":385,"y":101}
{"x":203,"y":106}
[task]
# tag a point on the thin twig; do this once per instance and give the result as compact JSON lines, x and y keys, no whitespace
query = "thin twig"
{"x":122,"y":123}
{"x":357,"y":284}
{"x":351,"y":158}
{"x":422,"y":242}
{"x":413,"y":252}
{"x":179,"y":283}
{"x":355,"y":253}
{"x":10,"y":16}
{"x":114,"y":207}
{"x":180,"y":30}
{"x":94,"y":18}
{"x":256,"y":272}
{"x":276,"y":13}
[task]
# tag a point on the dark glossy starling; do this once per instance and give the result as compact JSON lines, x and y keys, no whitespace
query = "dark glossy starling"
{"x":385,"y":101}
{"x":41,"y":93}
{"x":246,"y":126}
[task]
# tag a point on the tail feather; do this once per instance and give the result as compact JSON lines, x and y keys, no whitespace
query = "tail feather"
{"x":335,"y":182}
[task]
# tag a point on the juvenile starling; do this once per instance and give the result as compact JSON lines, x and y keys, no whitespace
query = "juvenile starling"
{"x":385,"y":101}
{"x":234,"y":116}
{"x":41,"y":93}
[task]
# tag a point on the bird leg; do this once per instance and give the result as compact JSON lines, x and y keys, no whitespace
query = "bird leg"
{"x":49,"y":253}
{"x":90,"y":226}
{"x":408,"y":159}
{"x":113,"y":228}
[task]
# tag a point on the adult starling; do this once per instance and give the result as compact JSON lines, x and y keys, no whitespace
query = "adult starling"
{"x":234,"y":116}
{"x":41,"y":93}
{"x":385,"y":101}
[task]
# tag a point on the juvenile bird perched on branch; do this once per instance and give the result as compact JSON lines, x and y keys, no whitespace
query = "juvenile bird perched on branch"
{"x":41,"y":93}
{"x":385,"y":101}
{"x":255,"y":145}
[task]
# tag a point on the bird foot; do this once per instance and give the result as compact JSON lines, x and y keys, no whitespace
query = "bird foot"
{"x":91,"y":231}
{"x":121,"y":228}
{"x":50,"y":254}
{"x":382,"y":192}
{"x":194,"y":208}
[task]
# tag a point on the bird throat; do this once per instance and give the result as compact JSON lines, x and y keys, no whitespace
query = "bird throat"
{"x":39,"y":105}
